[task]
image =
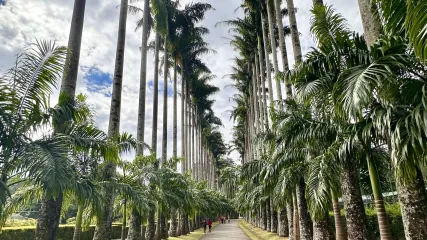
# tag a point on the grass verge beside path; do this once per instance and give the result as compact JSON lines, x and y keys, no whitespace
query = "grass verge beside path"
{"x":197,"y":234}
{"x":256,"y":233}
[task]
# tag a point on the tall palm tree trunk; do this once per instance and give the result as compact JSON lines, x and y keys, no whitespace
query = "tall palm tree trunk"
{"x":48,"y":221}
{"x":267,"y":63}
{"x":282,"y":45}
{"x":413,"y":198}
{"x":162,"y":224}
{"x":134,"y":232}
{"x":151,"y":227}
{"x":274,"y":216}
{"x":296,"y":44}
{"x":260,"y":96}
{"x":296,"y":227}
{"x":383,"y":223}
{"x":321,"y":228}
{"x":304,"y":217}
{"x":353,"y":205}
{"x":290,"y":215}
{"x":268,"y":214}
{"x":183,"y":119}
{"x":79,"y":220}
{"x":103,"y":225}
{"x":165,"y":105}
{"x":370,"y":21}
{"x":174,"y":215}
{"x":282,"y":228}
{"x":270,"y":14}
{"x":340,"y":233}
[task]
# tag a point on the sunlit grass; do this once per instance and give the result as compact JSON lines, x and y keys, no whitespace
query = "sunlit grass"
{"x":193,"y":235}
{"x":256,"y":233}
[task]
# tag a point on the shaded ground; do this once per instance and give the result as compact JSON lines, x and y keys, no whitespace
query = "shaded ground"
{"x":256,"y":233}
{"x":228,"y":231}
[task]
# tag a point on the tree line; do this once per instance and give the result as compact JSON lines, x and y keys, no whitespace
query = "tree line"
{"x":352,"y":119}
{"x":57,"y":156}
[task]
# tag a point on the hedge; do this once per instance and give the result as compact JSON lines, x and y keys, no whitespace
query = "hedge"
{"x":394,"y":218}
{"x":65,"y":233}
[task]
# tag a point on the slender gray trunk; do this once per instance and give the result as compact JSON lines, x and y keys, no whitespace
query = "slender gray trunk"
{"x":165,"y":105}
{"x":282,"y":45}
{"x":267,"y":63}
{"x":103,"y":225}
{"x":71,"y":68}
{"x":296,"y":44}
{"x":151,"y":228}
{"x":270,"y":14}
{"x":370,"y":21}
{"x":268,"y":214}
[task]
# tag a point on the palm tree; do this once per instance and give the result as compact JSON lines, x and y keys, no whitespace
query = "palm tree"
{"x":68,"y":86}
{"x":103,"y":228}
{"x":23,"y":90}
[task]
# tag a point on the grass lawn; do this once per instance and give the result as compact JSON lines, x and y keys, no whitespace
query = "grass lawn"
{"x":256,"y":233}
{"x":193,"y":235}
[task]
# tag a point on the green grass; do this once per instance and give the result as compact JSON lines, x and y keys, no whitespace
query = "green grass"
{"x":193,"y":235}
{"x":256,"y":233}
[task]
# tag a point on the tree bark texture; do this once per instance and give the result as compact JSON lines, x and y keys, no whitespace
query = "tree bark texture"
{"x":305,"y":222}
{"x":321,"y":228}
{"x":353,"y":204}
{"x":283,"y":228}
{"x":48,"y":222}
{"x":413,"y":203}
{"x":296,"y":44}
{"x":370,"y":21}
{"x":134,"y":232}
{"x":290,"y":213}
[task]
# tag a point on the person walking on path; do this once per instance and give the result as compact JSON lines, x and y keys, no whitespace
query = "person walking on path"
{"x":210,"y":225}
{"x":204,"y":225}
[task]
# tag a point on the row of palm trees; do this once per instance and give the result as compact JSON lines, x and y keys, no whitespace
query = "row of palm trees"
{"x":75,"y":160}
{"x":354,"y":105}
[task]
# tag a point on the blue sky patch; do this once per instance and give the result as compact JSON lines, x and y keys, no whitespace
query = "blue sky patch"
{"x":2,"y":2}
{"x":98,"y":81}
{"x":161,"y":87}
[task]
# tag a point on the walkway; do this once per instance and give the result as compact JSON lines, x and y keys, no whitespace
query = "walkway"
{"x":228,"y":231}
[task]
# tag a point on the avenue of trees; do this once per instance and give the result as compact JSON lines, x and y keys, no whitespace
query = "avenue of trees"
{"x":56,"y":156}
{"x":352,"y":119}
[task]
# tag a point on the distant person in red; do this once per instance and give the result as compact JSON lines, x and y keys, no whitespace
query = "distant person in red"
{"x":219,"y":220}
{"x":210,"y":225}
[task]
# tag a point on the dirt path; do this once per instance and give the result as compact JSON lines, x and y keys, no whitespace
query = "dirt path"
{"x":228,"y":231}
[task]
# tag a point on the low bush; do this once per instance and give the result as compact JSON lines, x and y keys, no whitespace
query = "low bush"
{"x":65,"y":233}
{"x":20,"y":223}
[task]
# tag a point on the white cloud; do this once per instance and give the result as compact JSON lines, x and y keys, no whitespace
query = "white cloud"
{"x":24,"y":21}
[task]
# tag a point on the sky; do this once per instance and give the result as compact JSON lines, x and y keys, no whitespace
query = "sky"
{"x":23,"y":22}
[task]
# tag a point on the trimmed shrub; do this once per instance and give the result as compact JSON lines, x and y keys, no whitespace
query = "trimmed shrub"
{"x":65,"y":233}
